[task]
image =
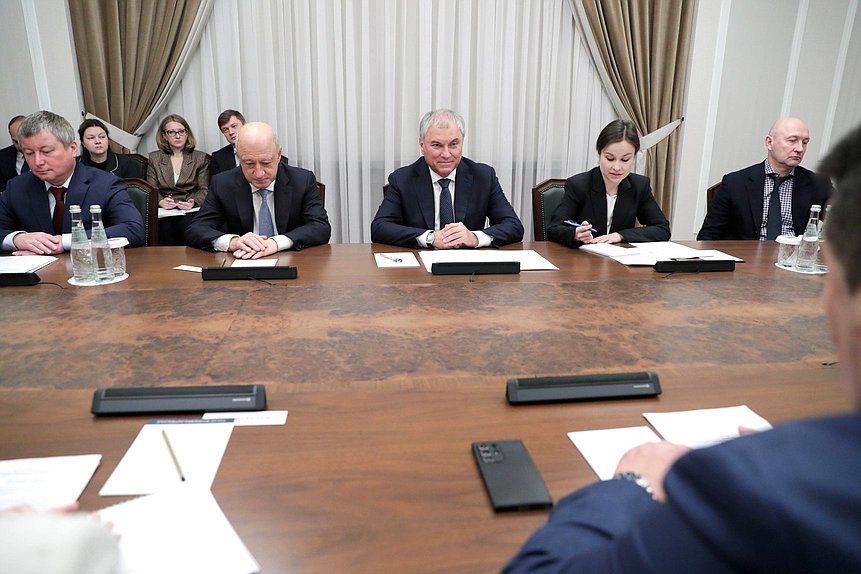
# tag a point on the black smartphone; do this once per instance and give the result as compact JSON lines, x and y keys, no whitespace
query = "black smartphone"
{"x":510,"y":476}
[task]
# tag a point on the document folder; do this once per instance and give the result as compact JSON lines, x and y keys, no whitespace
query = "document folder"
{"x":693,"y":266}
{"x":280,"y":272}
{"x":135,"y":400}
{"x":582,"y":387}
{"x":475,"y":268}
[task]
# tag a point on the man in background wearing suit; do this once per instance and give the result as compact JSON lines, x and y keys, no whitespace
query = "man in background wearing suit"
{"x":262,"y":208}
{"x":229,"y":122}
{"x":12,"y":161}
{"x":783,"y":500}
{"x":748,"y":206}
{"x":34,"y":209}
{"x":443,"y":200}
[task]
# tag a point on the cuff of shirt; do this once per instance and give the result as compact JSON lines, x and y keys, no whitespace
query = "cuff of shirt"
{"x":422,"y":240}
{"x":9,"y":243}
{"x":484,"y":240}
{"x":282,"y":241}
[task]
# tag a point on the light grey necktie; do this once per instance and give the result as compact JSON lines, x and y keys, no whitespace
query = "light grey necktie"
{"x":264,"y":217}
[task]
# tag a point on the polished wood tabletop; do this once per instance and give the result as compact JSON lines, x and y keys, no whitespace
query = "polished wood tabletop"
{"x":389,"y":375}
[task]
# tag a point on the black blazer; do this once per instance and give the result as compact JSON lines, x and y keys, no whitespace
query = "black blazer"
{"x":222,"y":160}
{"x":229,"y":208}
{"x":407,"y":209}
{"x":8,"y":160}
{"x":736,"y":209}
{"x":118,"y":164}
{"x":586,"y":199}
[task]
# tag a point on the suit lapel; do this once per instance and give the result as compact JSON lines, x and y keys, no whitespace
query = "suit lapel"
{"x":425,"y":193}
{"x":598,"y":197}
{"x":283,"y":191}
{"x":625,"y":204}
{"x":802,"y":197}
{"x":244,"y":203}
{"x":76,"y":194}
{"x":462,"y":196}
{"x":755,"y":189}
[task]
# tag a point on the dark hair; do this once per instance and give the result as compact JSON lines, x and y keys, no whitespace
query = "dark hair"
{"x":91,"y":124}
{"x":225,"y":116}
{"x":15,"y":119}
{"x":618,"y":131}
{"x":162,"y":142}
{"x":843,"y":165}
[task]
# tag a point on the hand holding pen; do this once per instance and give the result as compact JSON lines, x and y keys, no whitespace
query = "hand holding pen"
{"x":584,"y":231}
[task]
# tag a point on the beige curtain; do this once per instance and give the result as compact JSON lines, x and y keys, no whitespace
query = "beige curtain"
{"x":130,"y":53}
{"x":644,"y":46}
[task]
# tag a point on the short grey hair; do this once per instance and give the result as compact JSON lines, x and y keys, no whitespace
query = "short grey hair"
{"x":441,"y":118}
{"x":41,"y":121}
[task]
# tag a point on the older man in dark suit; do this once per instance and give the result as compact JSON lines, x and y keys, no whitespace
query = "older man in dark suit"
{"x":770,"y":198}
{"x":262,"y":208}
{"x":34,"y":209}
{"x":443,"y":200}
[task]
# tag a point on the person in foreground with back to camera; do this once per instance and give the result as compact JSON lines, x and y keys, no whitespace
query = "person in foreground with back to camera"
{"x":34,"y":209}
{"x":97,"y":153}
{"x":178,"y":171}
{"x":603,"y":204}
{"x":743,"y":205}
{"x":443,"y":200}
{"x":783,"y":500}
{"x":262,"y":208}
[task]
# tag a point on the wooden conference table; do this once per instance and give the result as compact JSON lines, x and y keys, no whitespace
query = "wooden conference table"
{"x":389,"y":375}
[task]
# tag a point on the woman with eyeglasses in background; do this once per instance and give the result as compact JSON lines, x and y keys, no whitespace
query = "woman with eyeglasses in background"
{"x":176,"y":169}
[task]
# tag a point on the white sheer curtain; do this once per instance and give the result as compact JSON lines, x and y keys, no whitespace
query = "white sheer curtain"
{"x":345,"y":84}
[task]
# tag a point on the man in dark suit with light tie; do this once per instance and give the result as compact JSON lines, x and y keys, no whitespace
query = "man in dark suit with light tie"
{"x":443,"y":200}
{"x":746,"y":205}
{"x":229,"y":122}
{"x":12,"y":161}
{"x":34,"y":209}
{"x":783,"y":500}
{"x":262,"y":208}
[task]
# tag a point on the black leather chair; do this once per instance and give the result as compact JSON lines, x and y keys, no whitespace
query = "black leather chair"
{"x":546,"y":197}
{"x":141,"y":163}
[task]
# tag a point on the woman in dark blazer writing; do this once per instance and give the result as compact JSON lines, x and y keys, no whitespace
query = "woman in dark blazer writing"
{"x":603,"y":204}
{"x":180,"y":173}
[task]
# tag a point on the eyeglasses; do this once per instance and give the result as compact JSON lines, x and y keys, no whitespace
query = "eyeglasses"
{"x":175,"y":133}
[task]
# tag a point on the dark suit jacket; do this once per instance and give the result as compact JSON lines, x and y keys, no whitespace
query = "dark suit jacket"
{"x":229,"y":208}
{"x":786,"y":500}
{"x":24,"y":205}
{"x":193,"y":181}
{"x":407,"y":209}
{"x":8,"y":161}
{"x":736,"y":209}
{"x":586,"y":199}
{"x":221,"y":160}
{"x":117,"y":163}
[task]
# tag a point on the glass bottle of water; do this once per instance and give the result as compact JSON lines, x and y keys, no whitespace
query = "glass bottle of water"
{"x":809,"y":242}
{"x":82,"y":253}
{"x":102,"y":259}
{"x":820,"y":266}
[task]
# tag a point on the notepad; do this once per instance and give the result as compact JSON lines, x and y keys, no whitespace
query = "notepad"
{"x":177,"y":531}
{"x":148,"y":467}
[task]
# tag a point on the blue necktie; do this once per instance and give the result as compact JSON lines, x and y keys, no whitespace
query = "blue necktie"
{"x":446,"y":211}
{"x":264,"y":218}
{"x":774,"y":223}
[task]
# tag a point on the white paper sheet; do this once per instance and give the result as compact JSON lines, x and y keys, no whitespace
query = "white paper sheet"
{"x":529,"y":259}
{"x":162,"y":212}
{"x":603,"y":449}
{"x":705,"y":427}
{"x":254,"y":262}
{"x":24,"y":263}
{"x":399,"y":259}
{"x":177,"y":531}
{"x":45,"y":483}
{"x":251,"y":418}
{"x":147,"y":467}
{"x":649,"y":253}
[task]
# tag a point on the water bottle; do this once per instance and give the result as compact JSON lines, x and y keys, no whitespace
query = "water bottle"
{"x":809,"y":242}
{"x":103,"y":261}
{"x":82,"y":253}
{"x":820,"y":266}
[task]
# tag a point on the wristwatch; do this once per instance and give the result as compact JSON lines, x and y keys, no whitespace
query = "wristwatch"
{"x":429,"y":240}
{"x":637,"y":479}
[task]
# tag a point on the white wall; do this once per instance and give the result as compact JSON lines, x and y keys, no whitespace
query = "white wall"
{"x":751,"y":63}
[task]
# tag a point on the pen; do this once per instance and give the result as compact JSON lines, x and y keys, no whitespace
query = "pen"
{"x":173,"y":455}
{"x":390,"y":258}
{"x":575,"y":224}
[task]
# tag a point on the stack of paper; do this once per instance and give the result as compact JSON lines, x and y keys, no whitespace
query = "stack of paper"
{"x":650,"y":253}
{"x":45,"y":483}
{"x":24,"y":263}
